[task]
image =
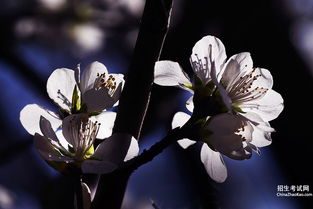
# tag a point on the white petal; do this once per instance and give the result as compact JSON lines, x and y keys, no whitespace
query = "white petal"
{"x":106,"y":120}
{"x":268,"y":107}
{"x":168,"y":73}
{"x":60,"y":87}
{"x":133,"y":149}
{"x":206,"y":51}
{"x":214,"y":164}
{"x":265,"y":80}
{"x":86,"y":196}
{"x":179,"y":119}
{"x":98,"y":166}
{"x":115,"y":148}
{"x":30,"y":117}
{"x":229,"y":145}
{"x":117,"y":93}
{"x":47,"y":151}
{"x":236,"y":66}
{"x":90,"y":74}
{"x":262,"y":135}
{"x":185,"y":143}
{"x":71,"y":126}
{"x":189,"y":104}
{"x":119,"y":79}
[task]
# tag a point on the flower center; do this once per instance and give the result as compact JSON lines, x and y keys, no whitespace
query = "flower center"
{"x":103,"y":82}
{"x":84,"y":134}
{"x":200,"y":66}
{"x":242,"y":91}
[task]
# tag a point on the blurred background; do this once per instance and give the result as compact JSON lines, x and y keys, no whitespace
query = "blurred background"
{"x":38,"y":36}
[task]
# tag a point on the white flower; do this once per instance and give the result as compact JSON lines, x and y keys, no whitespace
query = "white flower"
{"x":249,"y":89}
{"x":241,"y":87}
{"x":240,"y":125}
{"x":75,"y":144}
{"x":208,"y":49}
{"x":231,"y":135}
{"x":97,"y":89}
{"x":30,"y":117}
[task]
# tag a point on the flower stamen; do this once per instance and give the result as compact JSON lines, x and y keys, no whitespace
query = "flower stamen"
{"x":241,"y":90}
{"x":63,"y":98}
{"x":83,"y":134}
{"x":109,"y":83}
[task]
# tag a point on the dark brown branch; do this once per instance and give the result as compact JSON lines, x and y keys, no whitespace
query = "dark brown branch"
{"x":136,"y":94}
{"x":148,"y":155}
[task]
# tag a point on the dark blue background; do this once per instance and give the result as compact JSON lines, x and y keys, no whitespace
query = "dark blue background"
{"x":175,"y":179}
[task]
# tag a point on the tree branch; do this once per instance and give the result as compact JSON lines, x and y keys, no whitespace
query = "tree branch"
{"x":136,"y":94}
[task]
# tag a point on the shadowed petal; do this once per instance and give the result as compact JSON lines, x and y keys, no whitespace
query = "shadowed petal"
{"x":86,"y":196}
{"x":100,"y":99}
{"x":98,"y":166}
{"x":46,"y":129}
{"x":60,"y":86}
{"x":71,"y":128}
{"x":116,"y":148}
{"x":226,"y":137}
{"x":30,"y":117}
{"x":213,"y":163}
{"x":47,"y":151}
{"x":236,"y":66}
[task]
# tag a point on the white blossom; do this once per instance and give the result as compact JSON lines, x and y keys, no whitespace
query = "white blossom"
{"x":75,"y":144}
{"x":97,"y":90}
{"x":241,"y":87}
{"x":231,"y":135}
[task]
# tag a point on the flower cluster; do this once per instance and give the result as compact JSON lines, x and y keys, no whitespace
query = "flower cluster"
{"x":67,"y":140}
{"x":231,"y":106}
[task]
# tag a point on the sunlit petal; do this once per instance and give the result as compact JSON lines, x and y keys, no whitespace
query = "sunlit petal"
{"x":90,"y":74}
{"x":30,"y":117}
{"x":168,"y":73}
{"x":60,"y":86}
{"x":106,"y":120}
{"x":213,"y":163}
